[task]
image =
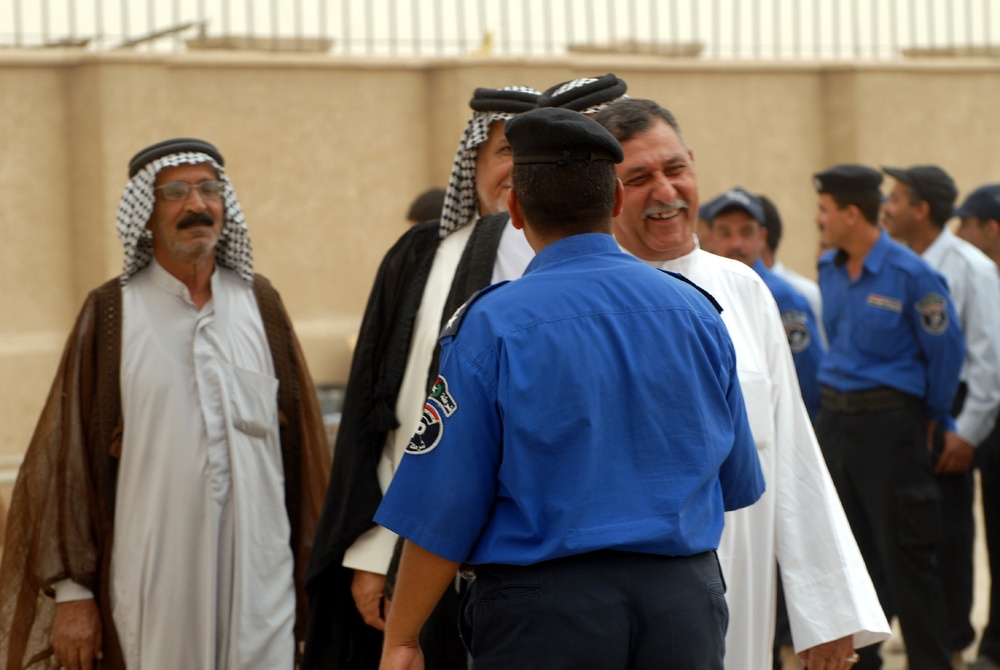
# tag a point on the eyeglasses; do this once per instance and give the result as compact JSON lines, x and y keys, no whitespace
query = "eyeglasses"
{"x":209,"y":189}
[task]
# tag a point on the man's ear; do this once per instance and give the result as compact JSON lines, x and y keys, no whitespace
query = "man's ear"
{"x":514,"y":208}
{"x":761,"y":240}
{"x":991,"y":228}
{"x":619,"y":198}
{"x":923,"y":209}
{"x":854,"y":215}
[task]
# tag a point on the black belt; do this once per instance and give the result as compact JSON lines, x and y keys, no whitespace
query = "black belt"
{"x":873,"y":400}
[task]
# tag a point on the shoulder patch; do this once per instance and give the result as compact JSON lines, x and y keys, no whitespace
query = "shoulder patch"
{"x":796,"y":330}
{"x":933,"y":309}
{"x":711,"y":298}
{"x":431,"y":428}
{"x":455,"y":321}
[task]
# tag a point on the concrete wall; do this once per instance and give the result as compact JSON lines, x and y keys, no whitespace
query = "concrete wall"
{"x":326,"y":154}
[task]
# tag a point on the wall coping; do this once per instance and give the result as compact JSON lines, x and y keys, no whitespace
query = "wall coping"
{"x":14,"y":57}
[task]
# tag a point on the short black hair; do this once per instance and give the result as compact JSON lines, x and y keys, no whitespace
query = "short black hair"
{"x":578,"y":197}
{"x":867,"y":202}
{"x":772,"y":221}
{"x":629,"y":117}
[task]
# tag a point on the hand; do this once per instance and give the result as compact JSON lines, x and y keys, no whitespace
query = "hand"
{"x":367,"y":589}
{"x":401,"y":657}
{"x":833,"y":655}
{"x":956,"y":456}
{"x":76,"y":634}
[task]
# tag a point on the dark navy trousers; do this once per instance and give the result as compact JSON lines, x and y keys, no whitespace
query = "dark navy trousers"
{"x":609,"y":610}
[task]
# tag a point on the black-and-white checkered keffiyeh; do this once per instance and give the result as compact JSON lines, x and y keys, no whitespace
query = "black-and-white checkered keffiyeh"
{"x":233,"y":250}
{"x":461,"y":203}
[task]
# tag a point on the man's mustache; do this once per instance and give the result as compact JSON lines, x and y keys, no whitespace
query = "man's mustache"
{"x":195,"y":220}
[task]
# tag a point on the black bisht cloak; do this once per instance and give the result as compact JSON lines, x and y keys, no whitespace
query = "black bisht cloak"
{"x":337,"y":637}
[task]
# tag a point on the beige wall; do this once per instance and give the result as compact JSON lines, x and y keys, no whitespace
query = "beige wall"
{"x":325,"y":155}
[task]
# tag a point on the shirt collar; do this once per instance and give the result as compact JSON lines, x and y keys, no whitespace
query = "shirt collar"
{"x":680,"y":265}
{"x":934,"y":254}
{"x":873,"y":261}
{"x":172,"y":284}
{"x":569,"y":247}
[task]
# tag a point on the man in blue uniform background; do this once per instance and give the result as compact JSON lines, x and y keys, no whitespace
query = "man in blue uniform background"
{"x":919,"y":207}
{"x":557,"y":456}
{"x":896,"y":350}
{"x":736,"y":219}
{"x":980,"y":214}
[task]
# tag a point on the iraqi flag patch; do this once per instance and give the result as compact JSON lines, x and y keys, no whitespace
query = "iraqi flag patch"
{"x":933,"y":310}
{"x":431,"y":429}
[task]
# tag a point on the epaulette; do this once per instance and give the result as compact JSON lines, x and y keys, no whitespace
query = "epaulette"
{"x":711,"y":298}
{"x":455,"y":321}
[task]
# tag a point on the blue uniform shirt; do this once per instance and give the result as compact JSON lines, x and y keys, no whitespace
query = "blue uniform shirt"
{"x":803,"y":334}
{"x":893,"y":326}
{"x":591,"y":404}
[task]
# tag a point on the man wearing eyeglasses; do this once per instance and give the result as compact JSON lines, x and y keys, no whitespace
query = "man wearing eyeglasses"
{"x":162,"y":515}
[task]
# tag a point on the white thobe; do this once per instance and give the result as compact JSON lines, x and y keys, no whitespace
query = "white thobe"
{"x":799,"y":519}
{"x":373,"y":550}
{"x":202,"y":569}
{"x":975,"y":291}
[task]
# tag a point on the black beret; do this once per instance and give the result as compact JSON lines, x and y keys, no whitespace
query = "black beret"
{"x":503,"y":100}
{"x":931,"y":184}
{"x":173,"y":146}
{"x":555,"y":135}
{"x":582,"y":94}
{"x":847,"y":178}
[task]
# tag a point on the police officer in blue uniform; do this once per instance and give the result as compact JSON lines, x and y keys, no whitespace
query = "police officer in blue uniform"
{"x":895,"y":355}
{"x":558,"y":458}
{"x":736,"y":219}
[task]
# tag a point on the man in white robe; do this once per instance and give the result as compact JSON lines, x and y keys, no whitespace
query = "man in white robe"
{"x":799,"y":521}
{"x":206,"y":496}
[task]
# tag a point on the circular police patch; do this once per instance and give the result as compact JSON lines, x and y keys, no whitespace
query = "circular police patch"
{"x":428,"y":433}
{"x":431,"y":428}
{"x":933,"y":310}
{"x":796,"y":330}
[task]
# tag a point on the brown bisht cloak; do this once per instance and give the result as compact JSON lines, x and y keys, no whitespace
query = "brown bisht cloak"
{"x":60,"y":524}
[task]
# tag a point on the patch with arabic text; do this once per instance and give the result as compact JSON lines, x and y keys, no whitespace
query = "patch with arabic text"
{"x":431,"y":429}
{"x":933,"y":310}
{"x":885,"y":302}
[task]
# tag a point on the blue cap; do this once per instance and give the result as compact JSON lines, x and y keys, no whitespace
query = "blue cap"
{"x":735,"y":198}
{"x":984,"y":202}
